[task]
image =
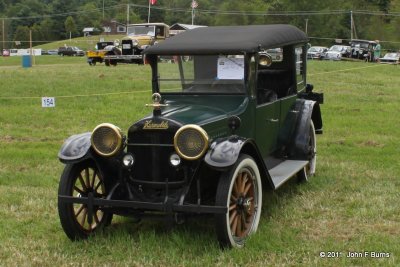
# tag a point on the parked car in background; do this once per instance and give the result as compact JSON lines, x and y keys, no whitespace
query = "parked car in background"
{"x":52,"y":52}
{"x":102,"y":48}
{"x":139,"y":37}
{"x":390,"y":58}
{"x":70,"y":51}
{"x":276,"y":54}
{"x":336,"y":52}
{"x":316,"y":52}
{"x":361,"y":49}
{"x":225,"y":126}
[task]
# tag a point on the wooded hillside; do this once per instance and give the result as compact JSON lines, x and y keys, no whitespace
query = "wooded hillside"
{"x":324,"y":21}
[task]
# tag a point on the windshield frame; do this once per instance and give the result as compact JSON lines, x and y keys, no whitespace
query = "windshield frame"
{"x":135,"y":27}
{"x":155,"y":62}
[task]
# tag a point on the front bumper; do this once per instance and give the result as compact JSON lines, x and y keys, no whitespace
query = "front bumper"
{"x":123,"y":57}
{"x":166,"y":206}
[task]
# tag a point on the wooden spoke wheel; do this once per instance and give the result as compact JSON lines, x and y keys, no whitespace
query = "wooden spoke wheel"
{"x":82,"y":180}
{"x":309,"y":169}
{"x":241,"y":191}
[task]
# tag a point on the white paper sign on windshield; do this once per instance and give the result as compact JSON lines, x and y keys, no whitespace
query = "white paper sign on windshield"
{"x":230,"y":68}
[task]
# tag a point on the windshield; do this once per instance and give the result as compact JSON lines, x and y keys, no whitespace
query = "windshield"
{"x":205,"y":74}
{"x":361,"y":45}
{"x":141,"y":30}
{"x":336,"y":48}
{"x":314,"y":49}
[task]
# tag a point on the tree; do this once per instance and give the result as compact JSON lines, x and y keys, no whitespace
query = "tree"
{"x":90,"y":16}
{"x":70,"y":26}
{"x":22,"y":35}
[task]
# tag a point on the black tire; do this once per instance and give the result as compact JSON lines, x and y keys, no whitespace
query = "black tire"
{"x":107,"y":62}
{"x":240,"y":190}
{"x":309,"y":169}
{"x":79,"y":180}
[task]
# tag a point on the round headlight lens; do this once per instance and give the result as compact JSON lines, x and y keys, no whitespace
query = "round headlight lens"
{"x":106,"y":139}
{"x":128,"y":160}
{"x":175,"y":160}
{"x":191,"y":142}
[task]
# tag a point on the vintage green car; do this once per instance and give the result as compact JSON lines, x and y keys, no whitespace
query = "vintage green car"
{"x":226,"y":125}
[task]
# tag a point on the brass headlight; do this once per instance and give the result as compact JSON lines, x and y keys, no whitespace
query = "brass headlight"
{"x":265,"y":59}
{"x":191,"y":142}
{"x":106,"y":139}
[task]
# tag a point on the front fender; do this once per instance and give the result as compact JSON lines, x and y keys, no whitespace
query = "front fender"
{"x":75,"y":147}
{"x":224,"y":152}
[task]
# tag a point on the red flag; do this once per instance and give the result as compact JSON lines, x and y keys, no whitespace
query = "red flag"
{"x":194,"y":4}
{"x":153,"y":2}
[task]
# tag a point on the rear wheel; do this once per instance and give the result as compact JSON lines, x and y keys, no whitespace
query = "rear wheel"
{"x":309,"y":169}
{"x":240,"y":191}
{"x":81,"y":180}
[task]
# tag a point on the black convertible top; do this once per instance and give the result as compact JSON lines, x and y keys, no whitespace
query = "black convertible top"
{"x":229,"y":39}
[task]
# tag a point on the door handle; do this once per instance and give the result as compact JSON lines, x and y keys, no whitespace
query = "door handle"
{"x":273,"y":120}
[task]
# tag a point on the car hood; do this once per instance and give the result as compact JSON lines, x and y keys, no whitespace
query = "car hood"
{"x":201,"y":110}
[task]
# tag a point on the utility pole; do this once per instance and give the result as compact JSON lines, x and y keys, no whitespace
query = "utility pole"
{"x":306,"y":26}
{"x":103,"y":9}
{"x":148,"y":14}
{"x":127,"y":14}
{"x":3,"y":44}
{"x":30,"y":47}
{"x":351,"y":25}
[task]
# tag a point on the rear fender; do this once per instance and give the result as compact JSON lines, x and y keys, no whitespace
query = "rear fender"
{"x":299,"y":147}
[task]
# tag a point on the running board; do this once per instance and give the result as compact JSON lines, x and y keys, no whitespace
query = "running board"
{"x":285,"y":170}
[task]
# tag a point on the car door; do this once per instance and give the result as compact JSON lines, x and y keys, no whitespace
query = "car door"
{"x":267,"y":126}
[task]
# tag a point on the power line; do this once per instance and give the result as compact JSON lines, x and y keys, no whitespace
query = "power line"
{"x":216,"y":11}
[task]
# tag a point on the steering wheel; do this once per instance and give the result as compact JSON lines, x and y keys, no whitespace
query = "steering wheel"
{"x":227,"y":87}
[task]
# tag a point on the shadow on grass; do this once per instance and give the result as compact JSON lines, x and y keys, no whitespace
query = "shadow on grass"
{"x":198,"y":231}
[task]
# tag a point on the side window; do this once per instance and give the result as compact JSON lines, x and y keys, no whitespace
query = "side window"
{"x":299,"y":65}
{"x":159,"y":31}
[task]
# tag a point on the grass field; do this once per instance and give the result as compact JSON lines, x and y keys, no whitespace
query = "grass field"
{"x":351,"y":205}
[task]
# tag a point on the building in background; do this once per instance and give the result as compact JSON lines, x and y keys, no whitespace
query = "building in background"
{"x":179,"y":27}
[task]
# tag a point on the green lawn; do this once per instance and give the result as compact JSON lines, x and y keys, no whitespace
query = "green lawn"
{"x":351,"y":205}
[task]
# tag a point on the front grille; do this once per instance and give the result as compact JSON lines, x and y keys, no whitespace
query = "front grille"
{"x":152,"y":149}
{"x":127,"y":48}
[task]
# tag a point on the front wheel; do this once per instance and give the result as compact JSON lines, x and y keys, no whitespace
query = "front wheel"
{"x":240,"y":190}
{"x":80,"y":180}
{"x":309,"y":170}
